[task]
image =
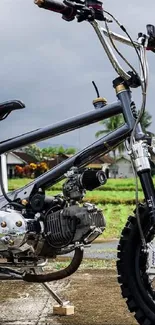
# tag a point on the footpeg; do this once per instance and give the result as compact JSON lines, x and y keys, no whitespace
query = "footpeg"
{"x":10,"y":274}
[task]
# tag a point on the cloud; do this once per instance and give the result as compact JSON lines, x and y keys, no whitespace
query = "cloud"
{"x":49,"y":64}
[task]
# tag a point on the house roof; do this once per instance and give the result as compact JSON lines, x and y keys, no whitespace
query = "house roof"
{"x":13,"y":159}
{"x":25,"y":157}
{"x":100,"y":160}
{"x":104,"y":159}
{"x":107,"y":159}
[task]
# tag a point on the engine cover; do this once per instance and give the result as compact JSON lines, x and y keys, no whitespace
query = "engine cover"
{"x":73,"y":224}
{"x":12,"y":229}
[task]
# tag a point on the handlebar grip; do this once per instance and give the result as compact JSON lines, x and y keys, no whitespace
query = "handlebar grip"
{"x":151,"y":44}
{"x":59,"y":7}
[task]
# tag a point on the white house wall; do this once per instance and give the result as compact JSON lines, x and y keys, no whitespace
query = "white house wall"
{"x":124,"y":168}
{"x":105,"y":166}
{"x":4,"y":173}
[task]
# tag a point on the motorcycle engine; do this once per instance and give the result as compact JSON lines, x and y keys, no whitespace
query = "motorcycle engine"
{"x":73,"y":224}
{"x":47,"y":227}
{"x":29,"y":239}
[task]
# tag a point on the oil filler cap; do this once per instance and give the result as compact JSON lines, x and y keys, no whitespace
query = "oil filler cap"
{"x":99,"y":102}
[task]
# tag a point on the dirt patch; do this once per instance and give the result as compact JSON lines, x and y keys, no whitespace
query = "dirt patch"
{"x":97,"y":300}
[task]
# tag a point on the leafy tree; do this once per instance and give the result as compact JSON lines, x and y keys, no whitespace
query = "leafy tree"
{"x":34,"y":151}
{"x":49,"y":152}
{"x":52,"y":151}
{"x":60,"y":150}
{"x":70,"y":151}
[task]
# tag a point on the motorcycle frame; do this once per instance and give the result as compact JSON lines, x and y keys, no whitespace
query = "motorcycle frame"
{"x":82,"y":158}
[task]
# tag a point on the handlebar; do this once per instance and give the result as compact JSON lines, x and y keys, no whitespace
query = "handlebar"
{"x":91,"y":10}
{"x":59,"y":7}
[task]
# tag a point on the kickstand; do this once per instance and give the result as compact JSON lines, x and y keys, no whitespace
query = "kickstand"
{"x":54,"y":295}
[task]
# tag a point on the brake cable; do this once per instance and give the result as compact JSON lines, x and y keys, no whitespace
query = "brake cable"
{"x":142,"y":111}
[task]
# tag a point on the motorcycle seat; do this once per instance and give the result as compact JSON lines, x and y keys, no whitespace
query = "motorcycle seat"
{"x":7,"y":107}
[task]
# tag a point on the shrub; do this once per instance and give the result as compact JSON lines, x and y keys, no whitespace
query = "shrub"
{"x":41,"y":168}
{"x":19,"y":172}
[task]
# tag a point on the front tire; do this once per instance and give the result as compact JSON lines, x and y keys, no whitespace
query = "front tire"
{"x":132,"y":270}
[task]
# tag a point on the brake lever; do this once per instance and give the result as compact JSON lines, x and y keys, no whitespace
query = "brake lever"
{"x":73,"y":4}
{"x":84,"y":13}
{"x":151,"y":44}
{"x":151,"y":39}
{"x":88,"y":10}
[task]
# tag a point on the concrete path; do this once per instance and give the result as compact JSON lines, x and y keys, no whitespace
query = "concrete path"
{"x":105,"y":250}
{"x":27,"y":304}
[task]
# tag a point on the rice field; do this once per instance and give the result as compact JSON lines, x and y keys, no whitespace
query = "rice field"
{"x":116,"y":199}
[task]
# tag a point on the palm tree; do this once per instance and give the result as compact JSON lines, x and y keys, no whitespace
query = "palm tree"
{"x":111,"y":124}
{"x":146,"y":121}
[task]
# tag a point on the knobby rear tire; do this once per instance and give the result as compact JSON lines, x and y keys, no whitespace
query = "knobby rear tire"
{"x":131,"y":266}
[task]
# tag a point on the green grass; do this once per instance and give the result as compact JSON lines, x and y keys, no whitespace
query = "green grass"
{"x":105,"y":197}
{"x":61,"y":263}
{"x":16,"y":183}
{"x":116,"y":218}
{"x":118,"y":195}
{"x":112,"y":184}
{"x":113,"y":195}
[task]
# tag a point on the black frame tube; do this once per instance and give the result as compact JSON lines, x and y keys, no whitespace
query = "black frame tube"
{"x":61,"y":127}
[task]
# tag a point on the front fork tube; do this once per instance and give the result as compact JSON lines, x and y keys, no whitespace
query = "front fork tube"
{"x":139,"y":152}
{"x":140,"y":156}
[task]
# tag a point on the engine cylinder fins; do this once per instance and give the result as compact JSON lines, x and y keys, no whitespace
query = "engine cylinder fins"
{"x":59,"y":229}
{"x":70,"y":269}
{"x":73,"y":224}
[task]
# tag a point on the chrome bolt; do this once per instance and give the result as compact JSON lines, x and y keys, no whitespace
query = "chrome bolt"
{"x":19,"y":223}
{"x":11,"y":242}
{"x":3,"y":224}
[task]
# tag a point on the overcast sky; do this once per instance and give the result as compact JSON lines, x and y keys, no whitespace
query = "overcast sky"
{"x":49,"y":64}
